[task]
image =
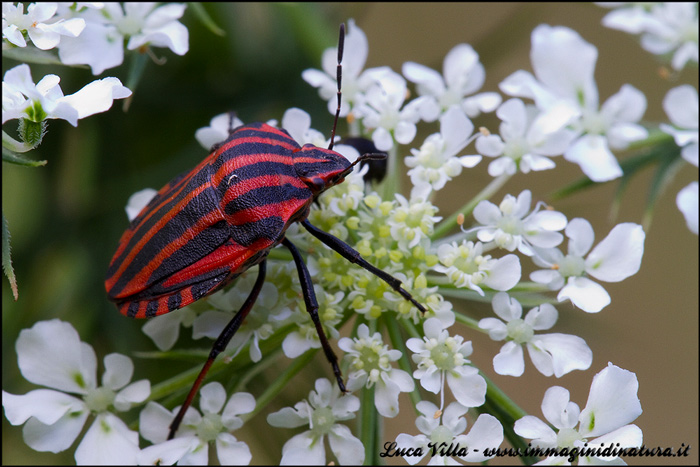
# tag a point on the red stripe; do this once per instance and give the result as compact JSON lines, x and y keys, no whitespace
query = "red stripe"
{"x":147,"y":236}
{"x":241,"y":161}
{"x":139,"y":282}
{"x":129,"y":233}
{"x":244,"y":186}
{"x":291,"y":145}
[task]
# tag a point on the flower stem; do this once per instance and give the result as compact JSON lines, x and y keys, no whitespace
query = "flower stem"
{"x":368,"y":425}
{"x":447,"y":224}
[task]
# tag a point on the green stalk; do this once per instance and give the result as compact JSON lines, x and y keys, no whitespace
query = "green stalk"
{"x":449,"y":223}
{"x":368,"y":425}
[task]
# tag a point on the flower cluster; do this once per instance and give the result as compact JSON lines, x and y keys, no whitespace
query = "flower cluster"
{"x":75,"y":34}
{"x":553,"y":111}
{"x":667,"y":29}
{"x":84,"y":34}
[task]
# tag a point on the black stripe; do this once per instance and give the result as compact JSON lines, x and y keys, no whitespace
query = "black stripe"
{"x":254,"y":131}
{"x":206,"y":202}
{"x":254,"y":170}
{"x":246,"y":234}
{"x":174,"y":301}
{"x":247,"y":149}
{"x":152,"y":308}
{"x":196,"y":180}
{"x":264,"y":196}
{"x":197,"y":248}
{"x":133,"y":309}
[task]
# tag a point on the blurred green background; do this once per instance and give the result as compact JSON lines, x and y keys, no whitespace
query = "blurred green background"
{"x":65,"y":218}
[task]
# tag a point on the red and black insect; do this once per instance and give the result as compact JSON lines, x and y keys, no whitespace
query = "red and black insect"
{"x":206,"y":227}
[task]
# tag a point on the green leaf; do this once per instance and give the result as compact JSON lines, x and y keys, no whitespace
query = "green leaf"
{"x":206,"y":20}
{"x":18,"y":159}
{"x":646,"y":152}
{"x":669,"y":164}
{"x":137,"y":66}
{"x":32,"y":55}
{"x":507,"y":412}
{"x":13,"y":146}
{"x":6,"y":260}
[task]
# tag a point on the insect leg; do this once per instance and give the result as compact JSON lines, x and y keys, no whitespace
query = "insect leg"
{"x":220,"y":345}
{"x":312,"y":307}
{"x":347,"y":252}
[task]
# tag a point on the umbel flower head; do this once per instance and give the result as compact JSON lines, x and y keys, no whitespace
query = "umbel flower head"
{"x":322,"y":411}
{"x":51,"y":354}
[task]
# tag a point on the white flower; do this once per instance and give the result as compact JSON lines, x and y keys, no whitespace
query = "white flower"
{"x":164,"y":330}
{"x":612,"y":405}
{"x":262,"y":320}
{"x":305,"y":336}
{"x":527,"y":139}
{"x":191,"y":443}
{"x":681,"y":106}
{"x":411,"y":221}
{"x":687,"y":202}
{"x":382,"y":110}
{"x":354,"y":81}
{"x":617,"y":257}
{"x":441,"y":358}
{"x":442,"y":431}
{"x":564,"y":64}
{"x":21,"y":98}
{"x":552,"y":354}
{"x":101,"y":44}
{"x":436,"y":163}
{"x":665,"y":27}
{"x":511,"y":227}
{"x":297,"y":122}
{"x":51,"y":354}
{"x":463,"y":75}
{"x":217,"y":131}
{"x":324,"y":408}
{"x":44,"y":35}
{"x":466,"y":266}
{"x":138,"y":201}
{"x":370,"y":365}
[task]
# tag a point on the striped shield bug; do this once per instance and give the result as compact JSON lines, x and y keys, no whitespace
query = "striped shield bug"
{"x":206,"y":227}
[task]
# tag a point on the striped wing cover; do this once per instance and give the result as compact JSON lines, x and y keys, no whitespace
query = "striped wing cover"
{"x":205,"y":228}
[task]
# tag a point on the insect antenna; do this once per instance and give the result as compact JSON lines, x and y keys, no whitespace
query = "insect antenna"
{"x":339,"y":76}
{"x":370,"y":156}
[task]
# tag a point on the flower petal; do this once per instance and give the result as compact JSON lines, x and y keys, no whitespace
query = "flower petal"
{"x":585,"y":294}
{"x":212,"y":397}
{"x":509,"y":361}
{"x":45,"y":405}
{"x":592,"y":154}
{"x":239,"y":403}
{"x":118,"y":371}
{"x":108,"y":441}
{"x":56,"y":437}
{"x":687,"y":202}
{"x":568,"y":352}
{"x":346,"y":447}
{"x":51,"y":354}
{"x":134,"y":393}
{"x":230,"y":451}
{"x":619,"y":255}
{"x":303,"y":449}
{"x":97,"y":96}
{"x":612,"y":402}
{"x":467,"y":385}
